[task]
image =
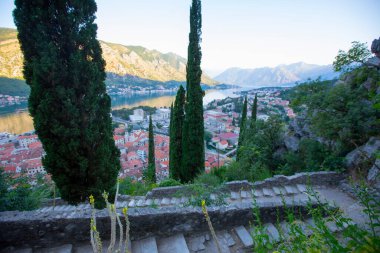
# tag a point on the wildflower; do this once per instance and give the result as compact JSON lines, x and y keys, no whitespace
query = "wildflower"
{"x":92,"y":200}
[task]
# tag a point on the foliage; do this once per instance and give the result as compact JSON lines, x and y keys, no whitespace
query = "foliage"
{"x":150,"y":173}
{"x":69,"y":104}
{"x":193,"y":150}
{"x":207,"y":179}
{"x":312,"y":156}
{"x":134,"y":188}
{"x":176,"y":126}
{"x":242,"y":128}
{"x":19,"y":194}
{"x":254,"y":110}
{"x":352,"y":238}
{"x":169,"y":182}
{"x":257,"y":152}
{"x":96,"y":242}
{"x":208,"y":136}
{"x":201,"y":192}
{"x":124,"y":113}
{"x":13,"y":87}
{"x":212,"y":230}
{"x":343,"y":114}
{"x":346,"y":61}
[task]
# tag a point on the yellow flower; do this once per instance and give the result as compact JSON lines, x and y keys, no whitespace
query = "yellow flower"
{"x":92,"y":200}
{"x":203,"y":203}
{"x":125,"y":210}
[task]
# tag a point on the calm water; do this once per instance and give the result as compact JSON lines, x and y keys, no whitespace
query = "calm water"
{"x":17,"y":119}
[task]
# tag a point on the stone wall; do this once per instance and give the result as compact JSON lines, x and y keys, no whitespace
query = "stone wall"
{"x":35,"y":230}
{"x":312,"y":178}
{"x":45,"y":229}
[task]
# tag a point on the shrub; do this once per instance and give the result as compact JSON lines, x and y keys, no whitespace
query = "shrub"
{"x":19,"y":194}
{"x":135,"y":188}
{"x":207,"y":179}
{"x":169,"y":182}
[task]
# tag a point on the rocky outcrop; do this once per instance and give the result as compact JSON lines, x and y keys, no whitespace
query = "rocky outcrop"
{"x":375,"y":49}
{"x":373,"y":176}
{"x":363,"y":153}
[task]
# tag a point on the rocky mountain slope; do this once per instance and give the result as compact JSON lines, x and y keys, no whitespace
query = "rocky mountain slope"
{"x":121,"y":60}
{"x":280,"y":75}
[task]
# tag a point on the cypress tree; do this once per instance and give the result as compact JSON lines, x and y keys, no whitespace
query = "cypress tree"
{"x":193,"y":153}
{"x":254,"y":111}
{"x":151,"y":171}
{"x":242,"y":127}
{"x":176,"y":123}
{"x":64,"y":67}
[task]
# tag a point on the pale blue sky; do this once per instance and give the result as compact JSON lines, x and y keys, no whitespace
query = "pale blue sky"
{"x":238,"y":33}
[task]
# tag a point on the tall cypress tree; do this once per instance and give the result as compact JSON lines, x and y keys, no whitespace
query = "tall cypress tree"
{"x":254,"y":111}
{"x":64,"y":67}
{"x":193,"y":156}
{"x":176,"y":123}
{"x":243,"y":121}
{"x":151,"y":171}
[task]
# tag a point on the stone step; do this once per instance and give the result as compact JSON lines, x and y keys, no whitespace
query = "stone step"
{"x":140,"y":203}
{"x":235,"y":195}
{"x":173,"y":244}
{"x":147,"y":245}
{"x":244,"y":236}
{"x":67,"y":248}
{"x":245,"y":194}
{"x":165,"y":202}
{"x":302,"y":187}
{"x":157,"y":202}
{"x":291,"y":189}
{"x":132,"y":203}
{"x":225,"y":241}
{"x":272,"y":231}
{"x":268,"y":192}
{"x":197,"y":243}
{"x":257,"y":193}
{"x":284,"y":227}
{"x":148,"y":202}
{"x":279,"y":190}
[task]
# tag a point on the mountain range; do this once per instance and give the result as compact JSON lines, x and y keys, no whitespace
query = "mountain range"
{"x":282,"y":75}
{"x":135,"y":61}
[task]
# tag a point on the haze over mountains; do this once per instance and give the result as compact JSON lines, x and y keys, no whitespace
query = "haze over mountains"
{"x":281,"y":75}
{"x":122,"y":60}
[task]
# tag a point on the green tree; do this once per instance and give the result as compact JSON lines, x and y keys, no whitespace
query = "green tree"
{"x":345,"y":61}
{"x":151,"y":171}
{"x":193,"y":155}
{"x":242,"y":127}
{"x":254,"y":111}
{"x":64,"y":67}
{"x":176,"y":122}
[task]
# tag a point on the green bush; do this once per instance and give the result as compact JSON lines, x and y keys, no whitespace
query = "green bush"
{"x":169,"y":182}
{"x":134,"y":188}
{"x":207,"y":179}
{"x":352,"y":238}
{"x":20,"y":194}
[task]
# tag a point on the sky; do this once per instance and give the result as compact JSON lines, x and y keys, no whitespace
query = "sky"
{"x":238,"y":33}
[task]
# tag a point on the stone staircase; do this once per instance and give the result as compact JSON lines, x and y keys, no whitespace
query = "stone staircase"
{"x":163,"y":221}
{"x":237,"y":239}
{"x":142,"y":201}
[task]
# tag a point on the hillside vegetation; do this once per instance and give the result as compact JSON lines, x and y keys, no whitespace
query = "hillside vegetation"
{"x":120,"y":60}
{"x":13,"y":87}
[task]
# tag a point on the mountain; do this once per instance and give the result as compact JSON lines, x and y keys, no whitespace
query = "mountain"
{"x":280,"y":75}
{"x":120,"y":60}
